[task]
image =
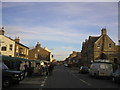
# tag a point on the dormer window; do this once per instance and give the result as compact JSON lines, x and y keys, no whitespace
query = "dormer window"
{"x":110,"y":45}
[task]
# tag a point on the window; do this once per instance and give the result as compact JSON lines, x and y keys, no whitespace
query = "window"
{"x":102,"y":66}
{"x":110,"y":45}
{"x":38,"y":50}
{"x":35,"y":55}
{"x":11,"y":47}
{"x":4,"y":48}
{"x":21,"y":50}
{"x":98,"y":45}
{"x":10,"y":55}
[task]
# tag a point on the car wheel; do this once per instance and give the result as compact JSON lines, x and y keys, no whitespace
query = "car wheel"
{"x":7,"y":82}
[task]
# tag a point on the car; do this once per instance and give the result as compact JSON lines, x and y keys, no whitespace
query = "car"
{"x":66,"y":65}
{"x":84,"y":69}
{"x":101,"y":69}
{"x":116,"y":76}
{"x":10,"y":77}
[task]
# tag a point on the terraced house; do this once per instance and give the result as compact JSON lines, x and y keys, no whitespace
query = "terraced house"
{"x":100,"y":47}
{"x":13,"y":48}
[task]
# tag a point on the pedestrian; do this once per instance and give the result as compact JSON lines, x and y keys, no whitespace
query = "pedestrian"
{"x":26,"y":70}
{"x":30,"y":71}
{"x":51,"y":67}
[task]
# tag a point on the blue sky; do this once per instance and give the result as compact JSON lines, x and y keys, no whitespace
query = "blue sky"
{"x":60,"y":26}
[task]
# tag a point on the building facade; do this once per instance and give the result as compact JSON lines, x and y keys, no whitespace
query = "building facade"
{"x":7,"y":45}
{"x":21,"y":50}
{"x":99,"y":47}
{"x":39,"y":53}
{"x":51,"y":56}
{"x":13,"y":48}
{"x":74,"y":58}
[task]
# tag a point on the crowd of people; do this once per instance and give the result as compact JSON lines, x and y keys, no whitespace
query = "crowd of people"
{"x":42,"y":69}
{"x":46,"y":68}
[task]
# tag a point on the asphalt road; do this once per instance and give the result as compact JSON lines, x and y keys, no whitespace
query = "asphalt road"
{"x":65,"y":77}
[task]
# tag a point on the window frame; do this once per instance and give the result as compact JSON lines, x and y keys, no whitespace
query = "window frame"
{"x":3,"y":48}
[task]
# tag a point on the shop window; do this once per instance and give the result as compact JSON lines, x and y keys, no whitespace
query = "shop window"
{"x":4,"y":48}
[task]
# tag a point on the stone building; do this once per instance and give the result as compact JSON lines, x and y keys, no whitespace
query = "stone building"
{"x":11,"y":47}
{"x":74,"y":58}
{"x":99,"y":47}
{"x":21,"y":50}
{"x":51,"y":56}
{"x":39,"y":53}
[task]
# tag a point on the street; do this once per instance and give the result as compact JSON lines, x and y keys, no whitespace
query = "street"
{"x":65,"y":77}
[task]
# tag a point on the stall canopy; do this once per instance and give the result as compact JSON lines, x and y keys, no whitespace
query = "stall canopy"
{"x":14,"y":59}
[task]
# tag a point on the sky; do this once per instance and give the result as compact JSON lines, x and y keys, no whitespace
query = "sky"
{"x":59,"y":26}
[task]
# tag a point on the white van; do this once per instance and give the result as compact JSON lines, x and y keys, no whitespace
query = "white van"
{"x":101,"y":68}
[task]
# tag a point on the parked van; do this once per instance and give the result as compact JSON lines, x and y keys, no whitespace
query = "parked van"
{"x":101,"y":68}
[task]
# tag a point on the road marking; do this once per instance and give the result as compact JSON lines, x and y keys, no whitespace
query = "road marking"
{"x":42,"y":85}
{"x":43,"y":82}
{"x":81,"y":79}
{"x":85,"y":82}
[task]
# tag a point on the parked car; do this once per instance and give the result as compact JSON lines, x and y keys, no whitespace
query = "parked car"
{"x":10,"y":77}
{"x":116,"y":76}
{"x":101,"y":69}
{"x":66,"y":65}
{"x":84,"y":69}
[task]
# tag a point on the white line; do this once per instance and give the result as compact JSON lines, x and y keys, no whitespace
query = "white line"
{"x":85,"y":82}
{"x":43,"y":82}
{"x":82,"y":80}
{"x":46,"y":77}
{"x":42,"y":85}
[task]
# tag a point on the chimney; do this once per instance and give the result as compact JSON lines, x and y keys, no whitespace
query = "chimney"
{"x":17,"y":39}
{"x":104,"y":32}
{"x":38,"y":45}
{"x":2,"y":31}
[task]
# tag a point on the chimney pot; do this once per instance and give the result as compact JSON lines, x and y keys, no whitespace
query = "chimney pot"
{"x":104,"y":32}
{"x":17,"y":39}
{"x":2,"y":31}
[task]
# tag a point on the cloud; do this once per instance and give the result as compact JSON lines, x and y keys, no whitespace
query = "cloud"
{"x":45,"y":33}
{"x":62,"y":52}
{"x":66,"y":23}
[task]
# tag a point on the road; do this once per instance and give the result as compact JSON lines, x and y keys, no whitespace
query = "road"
{"x":65,"y":77}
